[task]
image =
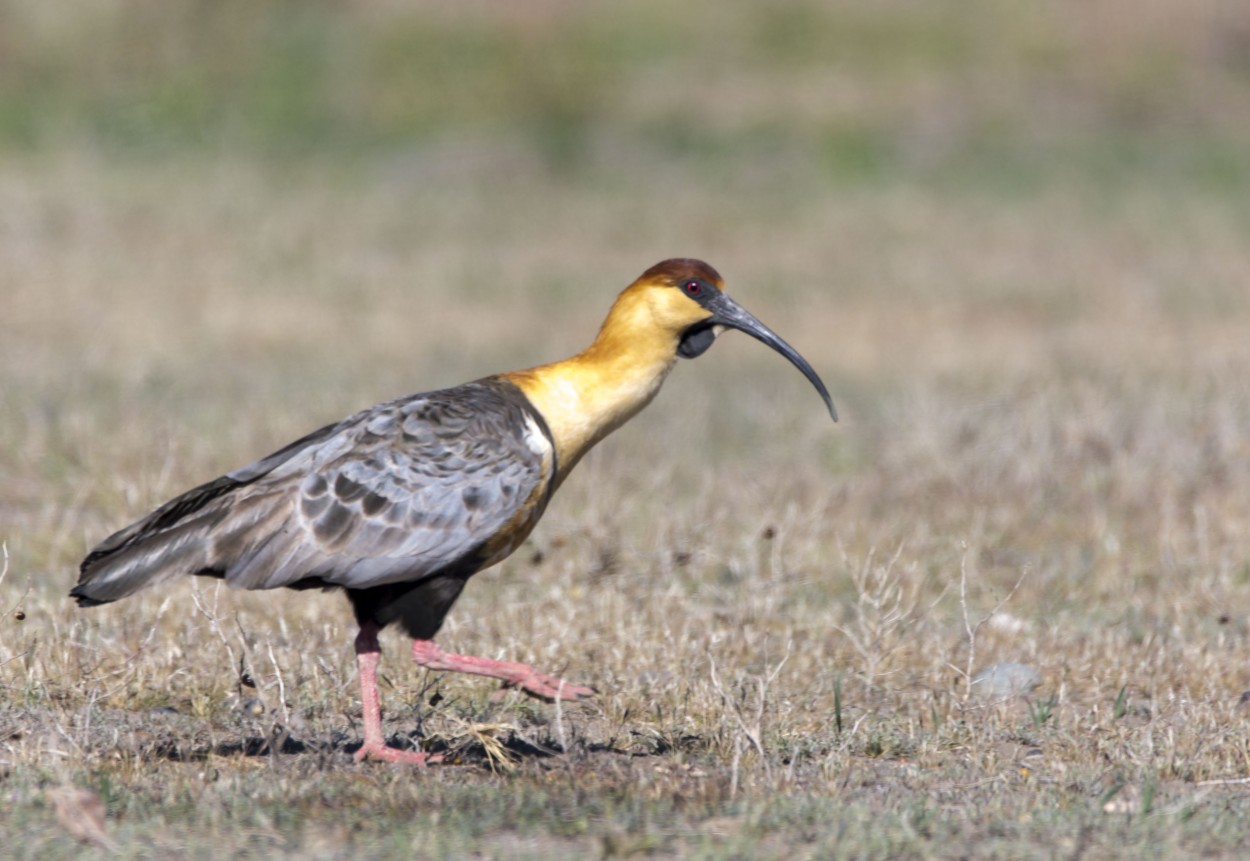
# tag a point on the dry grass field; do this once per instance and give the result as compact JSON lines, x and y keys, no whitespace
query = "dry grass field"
{"x":1011,"y":238}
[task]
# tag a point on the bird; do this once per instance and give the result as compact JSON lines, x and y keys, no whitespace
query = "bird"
{"x":400,"y":504}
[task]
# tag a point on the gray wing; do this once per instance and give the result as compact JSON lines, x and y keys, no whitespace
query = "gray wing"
{"x":453,"y":479}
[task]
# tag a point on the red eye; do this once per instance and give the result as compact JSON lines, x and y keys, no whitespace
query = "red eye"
{"x":693,"y":288}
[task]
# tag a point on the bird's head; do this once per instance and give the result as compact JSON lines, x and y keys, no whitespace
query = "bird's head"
{"x":687,"y":297}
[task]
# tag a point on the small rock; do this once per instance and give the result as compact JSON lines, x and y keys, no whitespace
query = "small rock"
{"x":1008,"y":624}
{"x":999,"y":681}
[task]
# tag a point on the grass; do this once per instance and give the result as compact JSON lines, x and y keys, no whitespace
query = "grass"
{"x":1013,"y":245}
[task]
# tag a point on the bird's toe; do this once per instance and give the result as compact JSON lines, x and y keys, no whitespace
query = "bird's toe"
{"x":385,"y":753}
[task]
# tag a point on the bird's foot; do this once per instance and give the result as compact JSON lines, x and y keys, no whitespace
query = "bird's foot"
{"x":512,"y":673}
{"x":545,"y":687}
{"x":381,"y":752}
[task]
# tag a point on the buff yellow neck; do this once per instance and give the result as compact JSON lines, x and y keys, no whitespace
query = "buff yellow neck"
{"x":586,"y":397}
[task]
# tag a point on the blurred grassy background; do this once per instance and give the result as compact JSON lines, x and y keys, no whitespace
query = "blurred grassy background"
{"x":1010,"y":236}
{"x":848,"y":91}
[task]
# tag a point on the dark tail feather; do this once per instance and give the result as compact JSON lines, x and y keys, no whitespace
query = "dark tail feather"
{"x":171,"y":540}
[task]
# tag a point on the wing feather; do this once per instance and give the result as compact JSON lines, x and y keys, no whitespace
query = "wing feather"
{"x":452,"y":479}
{"x":407,"y":489}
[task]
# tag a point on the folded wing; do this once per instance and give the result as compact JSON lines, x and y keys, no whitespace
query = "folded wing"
{"x":452,"y":479}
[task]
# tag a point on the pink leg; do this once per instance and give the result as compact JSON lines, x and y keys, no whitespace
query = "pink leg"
{"x":368,"y":652}
{"x":427,"y":654}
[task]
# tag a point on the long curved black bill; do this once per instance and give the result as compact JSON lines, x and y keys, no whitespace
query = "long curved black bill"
{"x":727,"y":312}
